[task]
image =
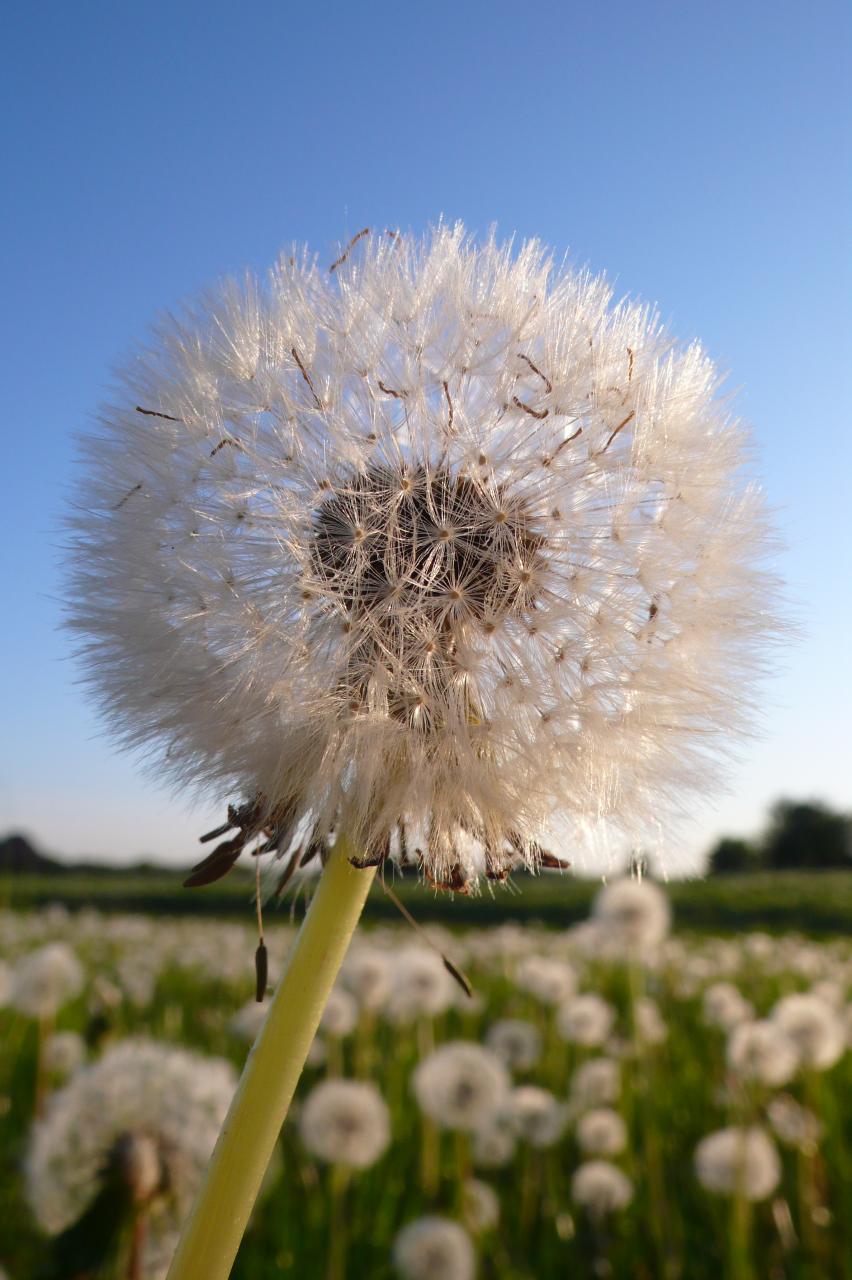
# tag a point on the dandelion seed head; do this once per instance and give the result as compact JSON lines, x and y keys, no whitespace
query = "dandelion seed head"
{"x":762,"y":1052}
{"x":536,"y":1116}
{"x":46,"y":979}
{"x":345,"y":1122}
{"x":738,"y":1161}
{"x":481,"y":1205}
{"x":585,"y":1019}
{"x":445,"y":549}
{"x":814,"y":1028}
{"x":547,"y":978}
{"x":633,"y":914}
{"x":601,"y":1132}
{"x":340,"y":1015}
{"x":146,"y":1112}
{"x":64,"y":1053}
{"x":595,"y":1083}
{"x":434,"y":1248}
{"x":517,"y":1043}
{"x":601,"y":1188}
{"x":725,"y":1006}
{"x":460,"y":1084}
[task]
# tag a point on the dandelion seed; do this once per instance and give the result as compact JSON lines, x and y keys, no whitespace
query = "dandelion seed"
{"x":738,"y":1162}
{"x":434,"y":1249}
{"x":480,"y":566}
{"x":345,"y":1122}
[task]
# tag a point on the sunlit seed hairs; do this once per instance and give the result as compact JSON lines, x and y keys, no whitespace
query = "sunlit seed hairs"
{"x":444,"y":548}
{"x":737,"y":1161}
{"x":345,"y":1122}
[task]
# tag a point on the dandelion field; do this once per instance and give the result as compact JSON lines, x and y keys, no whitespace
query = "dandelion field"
{"x":560,"y":1116}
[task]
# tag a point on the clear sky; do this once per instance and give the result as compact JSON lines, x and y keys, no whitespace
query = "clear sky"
{"x":698,"y":153}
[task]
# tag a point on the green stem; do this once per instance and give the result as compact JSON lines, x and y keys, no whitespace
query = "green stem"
{"x":212,"y":1234}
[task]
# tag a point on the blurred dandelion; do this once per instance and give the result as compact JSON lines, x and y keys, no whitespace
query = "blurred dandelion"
{"x":762,"y":1052}
{"x":632,"y":914}
{"x":814,"y":1028}
{"x":601,"y":1132}
{"x":345,"y":1122}
{"x":45,"y":980}
{"x":515,"y":1042}
{"x":460,"y":1085}
{"x":434,"y":1249}
{"x":601,"y":1188}
{"x":586,"y":1019}
{"x":134,"y":1131}
{"x":536,"y":1116}
{"x":738,"y":1162}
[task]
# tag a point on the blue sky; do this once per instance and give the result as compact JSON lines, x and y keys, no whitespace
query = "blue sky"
{"x":696,"y":153}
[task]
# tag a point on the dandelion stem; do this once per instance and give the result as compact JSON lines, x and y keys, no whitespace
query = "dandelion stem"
{"x":212,"y":1234}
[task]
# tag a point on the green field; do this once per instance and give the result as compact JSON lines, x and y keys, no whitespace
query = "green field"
{"x":817,"y":902}
{"x":182,"y":979}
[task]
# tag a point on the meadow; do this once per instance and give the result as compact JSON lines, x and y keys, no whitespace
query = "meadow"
{"x":558,"y":1115}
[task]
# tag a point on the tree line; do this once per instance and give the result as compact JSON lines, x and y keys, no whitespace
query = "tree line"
{"x":799,"y":834}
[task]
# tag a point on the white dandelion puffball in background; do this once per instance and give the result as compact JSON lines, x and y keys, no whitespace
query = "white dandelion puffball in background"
{"x":494,"y":1142}
{"x":585,"y":1020}
{"x":724,"y":1005}
{"x":795,"y":1125}
{"x":420,"y":985}
{"x":147,"y":1115}
{"x":434,"y":1249}
{"x":444,"y":548}
{"x":516,"y":1043}
{"x":64,"y":1053}
{"x":481,"y":1205}
{"x":601,"y":1132}
{"x":366,"y":974}
{"x":595,"y":1083}
{"x":5,"y":984}
{"x":633,"y":914}
{"x":460,"y":1084}
{"x":601,"y":1188}
{"x":648,"y":1021}
{"x":762,"y":1052}
{"x":548,"y":979}
{"x":345,"y":1122}
{"x":340,"y":1015}
{"x":536,"y":1116}
{"x":738,"y":1162}
{"x":248,"y":1020}
{"x":45,"y":980}
{"x":814,"y":1027}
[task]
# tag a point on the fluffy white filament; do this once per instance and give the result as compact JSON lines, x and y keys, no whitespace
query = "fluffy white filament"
{"x":445,"y":547}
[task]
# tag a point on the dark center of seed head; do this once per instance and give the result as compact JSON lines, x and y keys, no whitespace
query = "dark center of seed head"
{"x":431,"y":540}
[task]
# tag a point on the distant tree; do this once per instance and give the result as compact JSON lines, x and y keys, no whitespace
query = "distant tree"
{"x":734,"y":855}
{"x":803,"y":834}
